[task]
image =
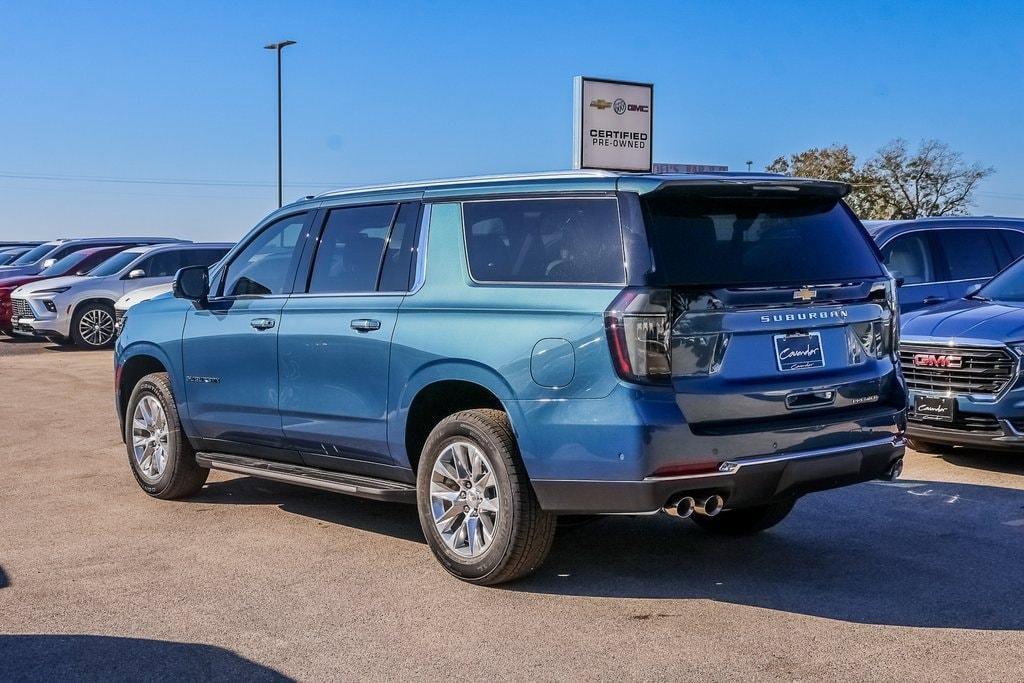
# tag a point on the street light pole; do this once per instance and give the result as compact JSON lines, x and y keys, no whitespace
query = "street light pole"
{"x":277,"y":47}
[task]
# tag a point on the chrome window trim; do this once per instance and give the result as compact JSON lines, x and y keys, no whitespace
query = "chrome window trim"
{"x":534,"y":284}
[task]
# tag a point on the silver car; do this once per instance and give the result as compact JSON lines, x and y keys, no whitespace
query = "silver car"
{"x":80,"y":309}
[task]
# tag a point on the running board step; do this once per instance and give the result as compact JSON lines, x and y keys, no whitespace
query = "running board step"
{"x":339,"y":482}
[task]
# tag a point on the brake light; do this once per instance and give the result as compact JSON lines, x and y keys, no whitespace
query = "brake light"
{"x":638,"y":326}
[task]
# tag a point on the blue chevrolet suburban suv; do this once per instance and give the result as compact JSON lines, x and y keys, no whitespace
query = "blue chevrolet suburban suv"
{"x":504,"y":350}
{"x":962,"y":362}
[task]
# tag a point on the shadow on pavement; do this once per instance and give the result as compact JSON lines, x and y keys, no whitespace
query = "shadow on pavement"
{"x":399,"y":521}
{"x":105,"y":658}
{"x":4,"y":581}
{"x":1005,"y":462}
{"x":909,"y":553}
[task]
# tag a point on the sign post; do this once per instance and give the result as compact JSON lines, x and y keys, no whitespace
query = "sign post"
{"x":612,"y":124}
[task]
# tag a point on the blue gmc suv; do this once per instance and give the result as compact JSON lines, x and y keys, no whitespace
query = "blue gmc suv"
{"x":962,"y":362}
{"x":503,"y":350}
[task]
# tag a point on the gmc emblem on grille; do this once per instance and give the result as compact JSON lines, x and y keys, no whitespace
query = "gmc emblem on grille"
{"x":928,"y":360}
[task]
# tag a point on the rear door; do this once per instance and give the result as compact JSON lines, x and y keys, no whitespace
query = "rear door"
{"x":335,"y":339}
{"x":911,"y":256}
{"x":779,"y":309}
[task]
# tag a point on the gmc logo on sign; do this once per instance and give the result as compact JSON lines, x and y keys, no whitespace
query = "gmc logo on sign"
{"x":927,"y":360}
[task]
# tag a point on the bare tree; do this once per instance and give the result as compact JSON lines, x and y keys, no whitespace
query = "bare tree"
{"x":933,"y":181}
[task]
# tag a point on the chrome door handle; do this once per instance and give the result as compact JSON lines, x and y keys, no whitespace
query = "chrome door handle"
{"x":365,"y":325}
{"x":262,"y":323}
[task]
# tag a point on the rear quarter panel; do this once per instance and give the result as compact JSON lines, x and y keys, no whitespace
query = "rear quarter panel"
{"x":454,"y":328}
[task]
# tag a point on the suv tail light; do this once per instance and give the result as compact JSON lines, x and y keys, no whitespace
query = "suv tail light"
{"x":639,"y":328}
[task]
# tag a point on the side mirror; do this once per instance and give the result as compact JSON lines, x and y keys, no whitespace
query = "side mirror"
{"x":192,"y":283}
{"x":136,"y":274}
{"x":49,"y":262}
{"x":900,"y":281}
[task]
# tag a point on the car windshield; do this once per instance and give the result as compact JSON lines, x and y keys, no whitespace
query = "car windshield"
{"x":751,"y":241}
{"x":114,"y":264}
{"x":66,"y":265}
{"x":1006,"y":286}
{"x":33,"y":255}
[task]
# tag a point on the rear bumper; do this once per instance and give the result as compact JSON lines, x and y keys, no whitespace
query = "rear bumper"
{"x":742,"y":482}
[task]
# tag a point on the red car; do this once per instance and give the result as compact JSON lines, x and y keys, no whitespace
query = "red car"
{"x":75,"y":263}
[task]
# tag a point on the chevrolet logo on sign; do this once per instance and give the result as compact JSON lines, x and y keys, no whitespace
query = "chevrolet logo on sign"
{"x":600,"y":104}
{"x":805,"y":294}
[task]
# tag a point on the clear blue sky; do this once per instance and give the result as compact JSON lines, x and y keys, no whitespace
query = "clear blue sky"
{"x":392,"y":91}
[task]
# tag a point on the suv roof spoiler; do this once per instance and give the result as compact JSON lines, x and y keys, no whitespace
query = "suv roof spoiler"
{"x":757,"y":187}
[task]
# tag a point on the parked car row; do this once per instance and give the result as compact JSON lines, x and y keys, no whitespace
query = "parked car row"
{"x":66,"y":290}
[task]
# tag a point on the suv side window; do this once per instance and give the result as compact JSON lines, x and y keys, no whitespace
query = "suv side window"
{"x":544,"y":240}
{"x":398,"y":269}
{"x":348,"y":257}
{"x":162,"y":264}
{"x":969,"y":253}
{"x":1014,"y":240}
{"x":909,"y":257}
{"x":200,"y":257}
{"x":262,"y":267}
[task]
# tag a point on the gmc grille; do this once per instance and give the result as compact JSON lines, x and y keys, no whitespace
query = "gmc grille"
{"x":983,"y":370}
{"x":20,"y":309}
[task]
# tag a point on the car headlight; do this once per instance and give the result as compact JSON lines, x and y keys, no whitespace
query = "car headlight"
{"x":1017,"y":348}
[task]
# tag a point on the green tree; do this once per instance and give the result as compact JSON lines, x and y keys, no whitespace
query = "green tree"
{"x":895,"y":183}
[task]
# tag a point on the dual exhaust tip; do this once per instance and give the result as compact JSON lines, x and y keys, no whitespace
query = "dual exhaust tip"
{"x":687,"y":505}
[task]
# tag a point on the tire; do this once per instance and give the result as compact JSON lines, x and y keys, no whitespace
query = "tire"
{"x":929,"y":447}
{"x":92,"y":326}
{"x":521,"y":532}
{"x":180,"y":476}
{"x":745,"y":521}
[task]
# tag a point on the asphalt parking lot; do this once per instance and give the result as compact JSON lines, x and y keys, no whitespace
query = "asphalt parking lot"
{"x":918,"y":579}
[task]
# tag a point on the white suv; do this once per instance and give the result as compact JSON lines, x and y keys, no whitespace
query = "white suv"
{"x":80,"y":309}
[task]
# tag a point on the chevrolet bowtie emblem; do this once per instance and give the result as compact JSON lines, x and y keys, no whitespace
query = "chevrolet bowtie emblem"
{"x":600,"y":104}
{"x":805,"y":294}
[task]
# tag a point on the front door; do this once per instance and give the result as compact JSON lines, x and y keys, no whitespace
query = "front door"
{"x":229,"y":348}
{"x":912,"y":257}
{"x":335,"y":343}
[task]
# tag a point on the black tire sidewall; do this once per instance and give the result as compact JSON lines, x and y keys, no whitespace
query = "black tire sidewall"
{"x":497,"y":554}
{"x":76,"y":321}
{"x":147,"y":386}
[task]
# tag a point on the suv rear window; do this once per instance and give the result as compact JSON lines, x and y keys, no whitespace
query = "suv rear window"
{"x":743,"y":241}
{"x":544,"y":241}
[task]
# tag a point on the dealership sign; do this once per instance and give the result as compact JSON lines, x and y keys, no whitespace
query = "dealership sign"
{"x":612,"y":124}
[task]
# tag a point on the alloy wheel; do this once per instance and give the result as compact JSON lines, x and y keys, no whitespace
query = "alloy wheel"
{"x":464,"y":499}
{"x":149,"y":438}
{"x":96,"y":327}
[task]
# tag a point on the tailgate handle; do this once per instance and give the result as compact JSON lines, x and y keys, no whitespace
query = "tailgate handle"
{"x":810,"y":399}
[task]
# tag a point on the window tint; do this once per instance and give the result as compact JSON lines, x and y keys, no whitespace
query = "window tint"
{"x":1014,"y":241}
{"x":162,"y":264}
{"x":262,"y":267}
{"x":400,"y":257}
{"x":349,"y":255}
{"x":726,"y":241}
{"x":968,"y":253}
{"x":544,"y":240}
{"x":201,"y":257}
{"x":909,"y":257}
